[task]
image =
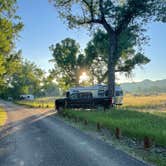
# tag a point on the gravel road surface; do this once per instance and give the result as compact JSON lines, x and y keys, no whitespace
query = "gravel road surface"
{"x":36,"y":137}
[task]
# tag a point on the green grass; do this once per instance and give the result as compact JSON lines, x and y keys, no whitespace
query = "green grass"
{"x":133,"y":124}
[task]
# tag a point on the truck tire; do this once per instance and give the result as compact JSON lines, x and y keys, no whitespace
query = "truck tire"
{"x":100,"y":107}
{"x":60,"y":109}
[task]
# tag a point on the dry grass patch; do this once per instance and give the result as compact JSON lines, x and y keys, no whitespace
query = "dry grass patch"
{"x":3,"y":117}
{"x":147,"y":102}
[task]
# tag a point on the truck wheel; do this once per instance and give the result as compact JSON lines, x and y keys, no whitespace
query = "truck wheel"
{"x":60,"y":109}
{"x":100,"y":108}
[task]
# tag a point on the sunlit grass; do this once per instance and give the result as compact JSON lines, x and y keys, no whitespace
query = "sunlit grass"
{"x":133,"y":124}
{"x":146,"y":102}
{"x":36,"y":103}
{"x":3,"y":117}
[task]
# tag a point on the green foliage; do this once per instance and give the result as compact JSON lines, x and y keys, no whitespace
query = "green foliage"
{"x":68,"y":63}
{"x":145,"y":87}
{"x":119,"y":19}
{"x":10,"y":25}
{"x":49,"y":88}
{"x":28,"y":80}
{"x":97,"y":52}
{"x":19,"y":77}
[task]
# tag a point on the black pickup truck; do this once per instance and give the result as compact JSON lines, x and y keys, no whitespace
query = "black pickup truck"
{"x":82,"y":100}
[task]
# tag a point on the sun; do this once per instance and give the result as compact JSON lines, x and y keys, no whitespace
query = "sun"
{"x":83,"y":77}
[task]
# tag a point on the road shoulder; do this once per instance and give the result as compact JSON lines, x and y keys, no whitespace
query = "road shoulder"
{"x":126,"y":145}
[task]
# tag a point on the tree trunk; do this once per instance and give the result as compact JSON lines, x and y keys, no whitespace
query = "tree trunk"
{"x":111,"y":64}
{"x":77,"y":78}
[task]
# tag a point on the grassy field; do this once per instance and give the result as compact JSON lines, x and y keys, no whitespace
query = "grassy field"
{"x":153,"y":102}
{"x":140,"y":116}
{"x":146,"y":102}
{"x":3,"y":117}
{"x":133,"y":124}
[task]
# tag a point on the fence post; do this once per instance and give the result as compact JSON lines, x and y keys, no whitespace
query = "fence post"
{"x":85,"y":122}
{"x":117,"y":133}
{"x":147,"y":142}
{"x":98,"y":126}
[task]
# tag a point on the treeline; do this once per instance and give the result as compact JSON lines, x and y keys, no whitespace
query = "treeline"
{"x":146,"y":87}
{"x":18,"y":76}
{"x":70,"y":62}
{"x":113,"y":49}
{"x":24,"y":77}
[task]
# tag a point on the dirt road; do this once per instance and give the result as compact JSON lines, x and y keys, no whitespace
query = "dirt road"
{"x":36,"y":137}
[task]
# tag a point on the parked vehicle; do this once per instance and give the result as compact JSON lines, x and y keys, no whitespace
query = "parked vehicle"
{"x":90,"y":97}
{"x":27,"y":97}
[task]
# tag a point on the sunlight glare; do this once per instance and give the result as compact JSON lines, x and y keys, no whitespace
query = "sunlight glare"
{"x":83,"y":77}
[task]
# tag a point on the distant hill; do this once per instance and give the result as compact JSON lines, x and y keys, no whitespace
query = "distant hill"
{"x":145,"y":87}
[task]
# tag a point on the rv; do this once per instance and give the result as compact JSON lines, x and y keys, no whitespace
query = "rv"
{"x":27,"y":97}
{"x":90,"y":97}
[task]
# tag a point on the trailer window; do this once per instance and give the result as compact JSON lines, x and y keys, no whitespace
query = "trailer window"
{"x":106,"y":93}
{"x":101,"y":93}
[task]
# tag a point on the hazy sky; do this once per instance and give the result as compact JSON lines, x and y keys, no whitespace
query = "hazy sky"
{"x":43,"y":28}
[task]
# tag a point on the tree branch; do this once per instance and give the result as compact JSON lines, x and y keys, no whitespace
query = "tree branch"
{"x":104,"y":22}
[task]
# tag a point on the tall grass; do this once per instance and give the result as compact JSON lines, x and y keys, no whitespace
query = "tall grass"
{"x":132,"y":123}
{"x":145,"y":102}
{"x":36,"y":103}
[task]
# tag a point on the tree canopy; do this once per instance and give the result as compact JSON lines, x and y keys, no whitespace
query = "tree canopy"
{"x":97,"y":52}
{"x":118,"y":18}
{"x":68,"y":63}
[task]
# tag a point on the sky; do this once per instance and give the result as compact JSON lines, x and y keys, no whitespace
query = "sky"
{"x":43,"y":27}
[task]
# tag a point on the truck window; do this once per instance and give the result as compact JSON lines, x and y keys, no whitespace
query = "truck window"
{"x":85,"y":95}
{"x":74,"y":96}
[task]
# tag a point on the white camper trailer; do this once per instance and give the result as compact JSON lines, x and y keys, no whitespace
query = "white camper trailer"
{"x":27,"y":97}
{"x":99,"y":91}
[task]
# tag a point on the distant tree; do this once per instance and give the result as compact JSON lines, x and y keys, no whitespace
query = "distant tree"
{"x":49,"y":87}
{"x":27,"y":80}
{"x":68,"y":63}
{"x":10,"y":65}
{"x":119,"y":18}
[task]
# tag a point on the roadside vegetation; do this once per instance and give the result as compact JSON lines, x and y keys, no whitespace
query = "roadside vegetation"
{"x":133,"y":124}
{"x":3,"y":117}
{"x":47,"y":102}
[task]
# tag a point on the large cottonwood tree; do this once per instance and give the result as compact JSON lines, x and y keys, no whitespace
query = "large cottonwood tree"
{"x":97,"y":52}
{"x":117,"y":17}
